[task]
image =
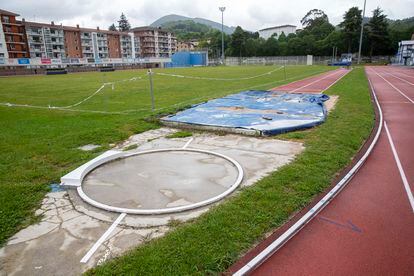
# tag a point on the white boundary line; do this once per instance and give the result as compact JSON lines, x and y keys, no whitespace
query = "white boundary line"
{"x":220,"y":79}
{"x":208,"y":201}
{"x":406,"y":81}
{"x":398,"y":90}
{"x":332,"y":84}
{"x":315,"y":81}
{"x":188,"y":143}
{"x":400,"y":168}
{"x":295,"y":228}
{"x":102,"y":239}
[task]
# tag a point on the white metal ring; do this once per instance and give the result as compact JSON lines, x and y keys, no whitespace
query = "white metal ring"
{"x":110,"y":208}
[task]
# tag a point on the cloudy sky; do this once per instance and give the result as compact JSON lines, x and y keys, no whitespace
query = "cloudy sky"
{"x":250,"y":14}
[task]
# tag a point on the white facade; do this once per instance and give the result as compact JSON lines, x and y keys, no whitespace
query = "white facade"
{"x":45,"y":42}
{"x":3,"y":45}
{"x":278,"y":30}
{"x":405,"y":55}
{"x":126,"y":45}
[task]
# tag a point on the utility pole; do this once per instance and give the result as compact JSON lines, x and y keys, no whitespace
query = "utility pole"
{"x":222,"y":9}
{"x":362,"y":31}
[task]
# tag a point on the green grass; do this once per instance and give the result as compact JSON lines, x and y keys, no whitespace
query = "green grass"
{"x":179,"y":134}
{"x":39,"y":145}
{"x":214,"y":241}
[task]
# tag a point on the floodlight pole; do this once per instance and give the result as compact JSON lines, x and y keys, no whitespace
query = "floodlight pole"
{"x":150,"y":73}
{"x":222,"y":9}
{"x":362,"y":31}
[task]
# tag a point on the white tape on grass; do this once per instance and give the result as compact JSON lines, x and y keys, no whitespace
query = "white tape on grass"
{"x":130,"y":111}
{"x":295,"y":228}
{"x":220,"y":79}
{"x":69,"y":107}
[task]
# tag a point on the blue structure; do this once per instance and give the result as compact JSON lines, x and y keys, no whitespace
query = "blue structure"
{"x":188,"y":59}
{"x":255,"y":112}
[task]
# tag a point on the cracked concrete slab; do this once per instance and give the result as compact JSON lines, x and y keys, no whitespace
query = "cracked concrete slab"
{"x":69,"y":227}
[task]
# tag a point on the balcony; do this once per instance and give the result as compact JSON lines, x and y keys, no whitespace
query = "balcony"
{"x":16,"y":42}
{"x":41,"y":49}
{"x":32,"y":32}
{"x":87,"y":51}
{"x":35,"y":41}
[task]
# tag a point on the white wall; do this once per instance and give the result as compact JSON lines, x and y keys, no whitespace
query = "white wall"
{"x":278,"y":31}
{"x":3,"y":45}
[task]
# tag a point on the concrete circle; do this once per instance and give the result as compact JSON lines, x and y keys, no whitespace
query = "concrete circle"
{"x":161,"y":181}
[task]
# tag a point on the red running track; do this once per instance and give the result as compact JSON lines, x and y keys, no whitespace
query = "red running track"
{"x":368,"y":228}
{"x":315,"y":84}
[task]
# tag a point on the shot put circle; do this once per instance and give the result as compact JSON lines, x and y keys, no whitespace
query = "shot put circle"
{"x":161,"y":181}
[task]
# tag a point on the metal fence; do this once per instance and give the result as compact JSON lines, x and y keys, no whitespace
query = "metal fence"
{"x":276,"y":60}
{"x":289,"y":60}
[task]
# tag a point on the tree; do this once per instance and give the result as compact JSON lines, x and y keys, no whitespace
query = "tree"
{"x":322,"y":30}
{"x":238,"y":41}
{"x":313,"y":18}
{"x":123,"y":24}
{"x":270,"y":47}
{"x":351,"y":27}
{"x":378,"y":34}
{"x":112,"y":27}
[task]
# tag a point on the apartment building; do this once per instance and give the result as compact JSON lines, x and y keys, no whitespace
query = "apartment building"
{"x":154,"y":42}
{"x":12,"y":36}
{"x":45,"y":40}
{"x":54,"y":41}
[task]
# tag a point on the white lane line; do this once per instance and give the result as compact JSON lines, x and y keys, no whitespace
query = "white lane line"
{"x":188,"y":143}
{"x":399,"y":72}
{"x":315,"y":81}
{"x":332,"y":84}
{"x":102,"y":239}
{"x":406,"y":81}
{"x":400,"y":168}
{"x":295,"y":228}
{"x":398,"y":90}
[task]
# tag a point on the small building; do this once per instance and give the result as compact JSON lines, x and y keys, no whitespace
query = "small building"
{"x":405,"y":54}
{"x":185,"y":46}
{"x":277,"y":30}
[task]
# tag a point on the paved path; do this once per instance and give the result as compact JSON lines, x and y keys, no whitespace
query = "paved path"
{"x":315,"y":84}
{"x":368,"y":229}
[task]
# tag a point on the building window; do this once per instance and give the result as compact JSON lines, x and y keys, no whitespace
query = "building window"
{"x":6,"y":19}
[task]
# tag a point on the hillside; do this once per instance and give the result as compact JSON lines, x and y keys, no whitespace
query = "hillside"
{"x":187,"y":29}
{"x":175,"y":18}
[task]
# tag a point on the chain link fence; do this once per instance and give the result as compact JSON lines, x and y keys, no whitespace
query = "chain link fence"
{"x":289,"y":60}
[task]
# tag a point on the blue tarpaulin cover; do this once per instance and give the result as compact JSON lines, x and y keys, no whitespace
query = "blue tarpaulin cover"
{"x":267,"y":112}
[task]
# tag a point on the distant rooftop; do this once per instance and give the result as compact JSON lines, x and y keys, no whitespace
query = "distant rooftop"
{"x":148,"y":28}
{"x":71,"y":28}
{"x":4,"y":12}
{"x":277,"y":27}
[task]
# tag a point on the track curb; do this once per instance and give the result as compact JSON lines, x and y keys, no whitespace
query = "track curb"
{"x":275,"y":241}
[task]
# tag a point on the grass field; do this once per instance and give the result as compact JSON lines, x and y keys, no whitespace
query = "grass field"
{"x":214,"y":241}
{"x":39,"y":145}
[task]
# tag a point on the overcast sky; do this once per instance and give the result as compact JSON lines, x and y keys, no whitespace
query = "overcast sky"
{"x":249,"y":14}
